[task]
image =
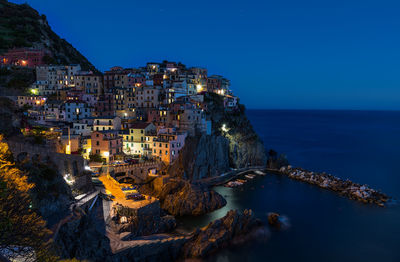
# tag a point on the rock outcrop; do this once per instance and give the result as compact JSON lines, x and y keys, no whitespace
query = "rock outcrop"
{"x":83,"y":239}
{"x":145,"y":226}
{"x":179,"y":197}
{"x":232,"y":228}
{"x":235,"y":146}
{"x":51,"y":196}
{"x":203,"y":156}
{"x":245,"y":147}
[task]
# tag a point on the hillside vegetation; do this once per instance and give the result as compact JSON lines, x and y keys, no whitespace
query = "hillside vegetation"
{"x":23,"y":26}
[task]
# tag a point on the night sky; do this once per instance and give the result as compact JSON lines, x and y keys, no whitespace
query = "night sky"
{"x":278,"y":54}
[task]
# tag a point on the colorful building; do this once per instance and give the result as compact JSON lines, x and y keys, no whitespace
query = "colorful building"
{"x":108,"y":144}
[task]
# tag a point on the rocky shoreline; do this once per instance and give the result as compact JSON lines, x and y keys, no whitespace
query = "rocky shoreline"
{"x":345,"y":188}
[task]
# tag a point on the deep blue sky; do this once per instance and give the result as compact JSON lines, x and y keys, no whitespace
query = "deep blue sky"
{"x":318,"y":54}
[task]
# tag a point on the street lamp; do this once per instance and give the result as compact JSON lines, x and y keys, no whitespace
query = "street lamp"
{"x":106,"y":154}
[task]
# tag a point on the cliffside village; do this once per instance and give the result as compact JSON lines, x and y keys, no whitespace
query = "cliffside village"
{"x":125,"y":116}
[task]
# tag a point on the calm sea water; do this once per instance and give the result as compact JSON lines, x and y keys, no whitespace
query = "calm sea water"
{"x":361,"y":145}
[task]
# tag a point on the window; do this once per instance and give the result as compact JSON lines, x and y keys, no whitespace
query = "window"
{"x":166,"y":152}
{"x":97,"y":143}
{"x":166,"y":145}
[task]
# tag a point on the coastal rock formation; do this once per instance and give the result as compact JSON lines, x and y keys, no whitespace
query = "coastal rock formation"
{"x":84,"y":238}
{"x":181,"y":198}
{"x":202,"y":156}
{"x":235,"y":146}
{"x":278,"y":221}
{"x":233,"y":227}
{"x":344,"y":187}
{"x":276,"y":162}
{"x":245,"y":147}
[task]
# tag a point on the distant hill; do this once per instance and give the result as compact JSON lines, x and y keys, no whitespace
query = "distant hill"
{"x":23,"y":26}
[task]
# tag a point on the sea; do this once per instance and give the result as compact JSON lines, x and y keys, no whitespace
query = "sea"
{"x":363,"y":146}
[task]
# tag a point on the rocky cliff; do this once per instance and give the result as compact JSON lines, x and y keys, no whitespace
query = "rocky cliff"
{"x":82,"y":239}
{"x":245,"y":147}
{"x":51,"y":196}
{"x":233,"y":228}
{"x":234,"y":146}
{"x":180,"y":197}
{"x":202,"y":156}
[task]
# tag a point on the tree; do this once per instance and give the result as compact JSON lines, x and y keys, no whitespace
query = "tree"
{"x":22,"y":231}
{"x":96,"y":158}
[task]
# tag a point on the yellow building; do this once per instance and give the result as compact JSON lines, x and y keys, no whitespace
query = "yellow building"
{"x":86,"y":147}
{"x":135,"y":142}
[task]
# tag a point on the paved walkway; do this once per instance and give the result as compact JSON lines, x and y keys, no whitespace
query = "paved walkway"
{"x":228,"y":176}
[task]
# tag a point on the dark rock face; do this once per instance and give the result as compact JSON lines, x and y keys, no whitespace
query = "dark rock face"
{"x":181,"y":198}
{"x":207,"y":156}
{"x":245,"y":147}
{"x":82,"y":239}
{"x":145,"y":226}
{"x":51,"y":196}
{"x":276,"y":161}
{"x":9,"y":120}
{"x":222,"y":232}
{"x":203,"y":156}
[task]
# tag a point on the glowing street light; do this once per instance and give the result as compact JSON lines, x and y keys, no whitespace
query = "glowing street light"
{"x":224,"y":128}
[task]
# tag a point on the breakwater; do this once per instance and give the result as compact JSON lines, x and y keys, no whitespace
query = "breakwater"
{"x":346,"y":187}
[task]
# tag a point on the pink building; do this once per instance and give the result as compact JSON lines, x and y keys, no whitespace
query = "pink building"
{"x":107,"y":144}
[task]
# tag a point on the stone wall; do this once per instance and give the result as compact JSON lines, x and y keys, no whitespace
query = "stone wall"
{"x":66,"y":164}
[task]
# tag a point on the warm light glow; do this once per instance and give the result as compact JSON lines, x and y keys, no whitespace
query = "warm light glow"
{"x":68,"y":178}
{"x":24,"y":62}
{"x":68,"y":149}
{"x":106,"y":154}
{"x":224,"y":128}
{"x":34,"y":91}
{"x":199,"y":88}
